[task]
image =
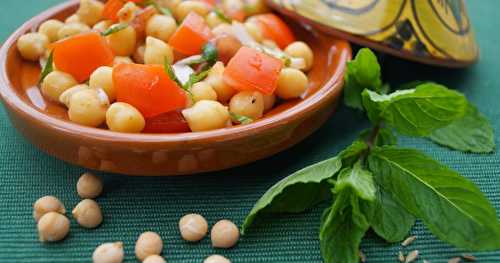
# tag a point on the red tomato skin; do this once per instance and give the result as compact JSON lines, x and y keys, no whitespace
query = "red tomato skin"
{"x":147,"y":88}
{"x":169,"y":122}
{"x":191,"y":35}
{"x":274,"y":28}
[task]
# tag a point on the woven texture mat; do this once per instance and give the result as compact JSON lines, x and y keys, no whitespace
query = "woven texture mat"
{"x":132,"y":205}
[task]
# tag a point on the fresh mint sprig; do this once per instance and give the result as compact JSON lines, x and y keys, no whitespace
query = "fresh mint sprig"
{"x":376,"y":184}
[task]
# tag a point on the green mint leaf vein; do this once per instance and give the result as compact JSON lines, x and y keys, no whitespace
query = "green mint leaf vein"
{"x":48,"y":68}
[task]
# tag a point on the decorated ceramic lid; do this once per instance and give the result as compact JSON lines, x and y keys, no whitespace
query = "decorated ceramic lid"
{"x":430,"y":31}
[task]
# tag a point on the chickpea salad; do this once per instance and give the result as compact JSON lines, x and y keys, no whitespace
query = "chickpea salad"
{"x":168,"y":66}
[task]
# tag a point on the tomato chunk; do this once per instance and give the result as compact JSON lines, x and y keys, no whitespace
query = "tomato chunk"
{"x":274,"y":28}
{"x":250,"y":69}
{"x":148,"y":88}
{"x":81,"y":54}
{"x":170,"y":122}
{"x":191,"y":35}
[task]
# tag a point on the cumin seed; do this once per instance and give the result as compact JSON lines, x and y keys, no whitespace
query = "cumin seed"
{"x":412,"y":256}
{"x":401,"y":257}
{"x":408,"y":241}
{"x":426,"y":261}
{"x":362,"y":256}
{"x":455,"y":260}
{"x":469,"y":257}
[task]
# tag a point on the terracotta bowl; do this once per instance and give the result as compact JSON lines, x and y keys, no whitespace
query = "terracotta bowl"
{"x":46,"y":125}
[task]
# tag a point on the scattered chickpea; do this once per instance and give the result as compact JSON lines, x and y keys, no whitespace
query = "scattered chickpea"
{"x":47,"y":204}
{"x":102,"y":78}
{"x":32,"y":46}
{"x":89,"y":186}
{"x":161,"y":27}
{"x":206,"y":115}
{"x":193,"y":227}
{"x":224,"y":234}
{"x":73,"y":19}
{"x":170,"y":4}
{"x":213,"y":20}
{"x":102,"y":26}
{"x":55,"y":83}
{"x":50,"y":28}
{"x":215,"y":79}
{"x":292,"y":83}
{"x":123,"y":42}
{"x":233,"y":5}
{"x":254,"y":30}
{"x":203,"y":91}
{"x":87,"y":108}
{"x":53,"y":227}
{"x":90,"y":11}
{"x":186,"y":7}
{"x":72,"y":29}
{"x":223,"y":29}
{"x":216,"y":259}
{"x":269,"y":101}
{"x":248,"y":103}
{"x":127,"y":13}
{"x":157,"y":51}
{"x":227,"y":46}
{"x":109,"y":253}
{"x":88,"y":214}
{"x":300,"y":49}
{"x":148,"y":243}
{"x":139,"y":54}
{"x":65,"y":97}
{"x":122,"y":60}
{"x":154,"y":259}
{"x":123,"y":117}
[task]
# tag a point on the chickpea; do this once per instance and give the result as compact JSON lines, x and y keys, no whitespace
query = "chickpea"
{"x":170,"y":4}
{"x":224,"y":234}
{"x":154,"y":259}
{"x":73,"y":19}
{"x":102,"y":26}
{"x":292,"y":83}
{"x":52,"y":227}
{"x":88,"y":108}
{"x":255,"y":7}
{"x":206,"y":115}
{"x":89,"y":186}
{"x":193,"y":227}
{"x":213,"y":20}
{"x":227,"y":46}
{"x":109,"y":253}
{"x":203,"y":91}
{"x":269,"y":101}
{"x":216,"y":259}
{"x":254,"y":30}
{"x":139,"y":54}
{"x":127,"y":13}
{"x":55,"y":83}
{"x":102,"y":78}
{"x":186,"y":7}
{"x":50,"y":28}
{"x":300,"y":49}
{"x":32,"y":46}
{"x":90,"y":11}
{"x":47,"y":204}
{"x":215,"y":79}
{"x":65,"y":97}
{"x":88,"y":214}
{"x":248,"y":103}
{"x":223,"y":29}
{"x":123,"y":42}
{"x":123,"y":117}
{"x":72,"y":29}
{"x":157,"y":51}
{"x":149,"y":243}
{"x":122,"y":60}
{"x":161,"y":27}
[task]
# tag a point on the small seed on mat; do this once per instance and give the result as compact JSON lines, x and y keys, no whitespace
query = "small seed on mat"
{"x":455,"y":260}
{"x":412,"y":256}
{"x":362,"y":256}
{"x":401,"y":257}
{"x":426,"y":261}
{"x":408,"y":241}
{"x":469,"y":257}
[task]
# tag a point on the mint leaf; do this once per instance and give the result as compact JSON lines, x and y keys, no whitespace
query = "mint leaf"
{"x":385,"y":136}
{"x":390,"y":221}
{"x":48,"y":68}
{"x":114,"y":29}
{"x":362,"y":73}
{"x":240,"y":118}
{"x":195,"y":78}
{"x":416,"y":112}
{"x":472,"y":133}
{"x":358,"y":179}
{"x":297,"y":192}
{"x":352,"y":153}
{"x":452,"y":207}
{"x":222,"y":16}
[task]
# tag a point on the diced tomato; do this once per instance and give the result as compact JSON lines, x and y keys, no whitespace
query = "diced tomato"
{"x":234,"y":10}
{"x":148,"y":88}
{"x":191,"y":35}
{"x":210,"y":2}
{"x":140,"y":21}
{"x":274,"y":28}
{"x":170,"y":122}
{"x":81,"y":54}
{"x":112,"y":7}
{"x":250,"y":69}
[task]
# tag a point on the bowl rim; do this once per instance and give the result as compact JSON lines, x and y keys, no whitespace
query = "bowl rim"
{"x":12,"y":101}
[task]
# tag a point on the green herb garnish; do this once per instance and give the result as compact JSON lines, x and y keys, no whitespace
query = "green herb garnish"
{"x":240,"y":118}
{"x":209,"y":56}
{"x":48,"y":67}
{"x":222,"y":16}
{"x":170,"y":72}
{"x":164,"y":10}
{"x":376,"y":184}
{"x":115,"y":29}
{"x":195,"y":78}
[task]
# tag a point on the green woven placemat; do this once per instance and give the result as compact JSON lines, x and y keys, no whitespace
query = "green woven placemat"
{"x":134,"y":204}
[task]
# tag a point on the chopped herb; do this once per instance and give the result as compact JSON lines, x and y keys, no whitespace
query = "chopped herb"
{"x":115,"y":29}
{"x":240,"y":118}
{"x":170,"y":72}
{"x":195,"y":78}
{"x":222,"y":16}
{"x":209,"y":55}
{"x":164,"y":10}
{"x":49,"y":67}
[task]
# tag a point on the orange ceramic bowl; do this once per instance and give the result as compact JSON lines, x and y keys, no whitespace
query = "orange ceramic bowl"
{"x":46,"y":125}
